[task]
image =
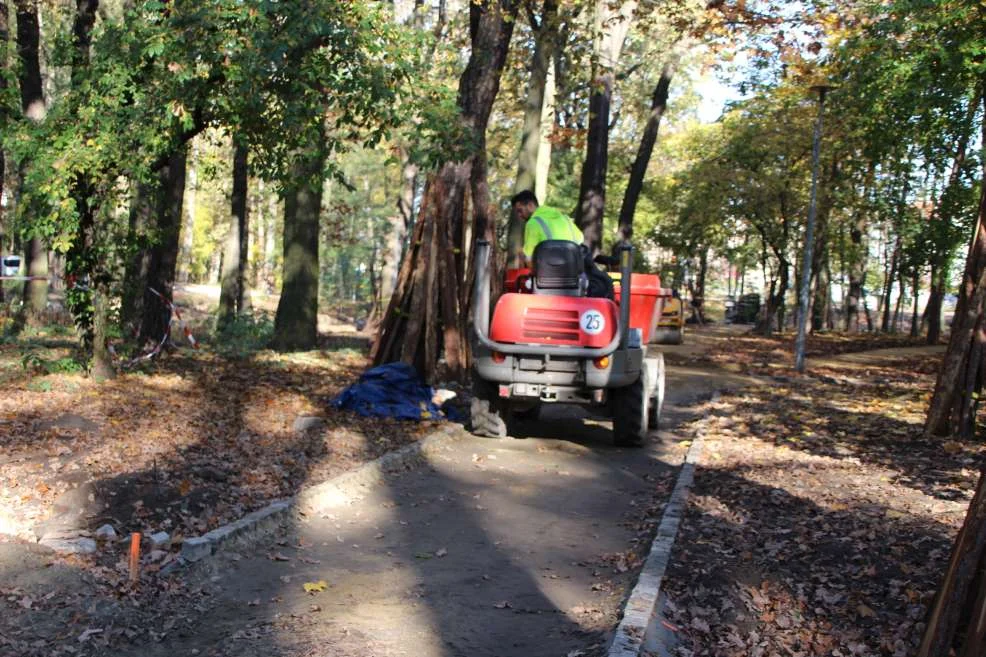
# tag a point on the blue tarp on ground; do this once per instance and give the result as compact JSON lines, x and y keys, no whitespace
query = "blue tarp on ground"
{"x":391,"y":390}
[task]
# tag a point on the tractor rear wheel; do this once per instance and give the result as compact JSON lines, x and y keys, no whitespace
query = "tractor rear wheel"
{"x":488,"y":414}
{"x":630,"y":412}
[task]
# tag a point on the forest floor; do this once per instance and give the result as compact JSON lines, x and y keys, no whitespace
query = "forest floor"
{"x":821,"y":519}
{"x":819,"y":524}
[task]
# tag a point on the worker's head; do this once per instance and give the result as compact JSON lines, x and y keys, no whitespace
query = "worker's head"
{"x":524,"y":204}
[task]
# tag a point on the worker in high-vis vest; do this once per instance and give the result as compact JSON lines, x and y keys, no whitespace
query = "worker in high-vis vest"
{"x":543,"y":223}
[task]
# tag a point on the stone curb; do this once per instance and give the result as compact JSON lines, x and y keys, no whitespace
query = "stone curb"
{"x":641,"y":610}
{"x":335,"y":492}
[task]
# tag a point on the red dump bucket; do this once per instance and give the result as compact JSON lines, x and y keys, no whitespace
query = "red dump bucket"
{"x":645,"y":301}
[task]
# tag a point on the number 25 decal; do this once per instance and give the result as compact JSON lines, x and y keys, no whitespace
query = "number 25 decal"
{"x":592,"y":322}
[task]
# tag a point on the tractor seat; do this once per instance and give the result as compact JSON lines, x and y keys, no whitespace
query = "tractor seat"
{"x":559,"y":268}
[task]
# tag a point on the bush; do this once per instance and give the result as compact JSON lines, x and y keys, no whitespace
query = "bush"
{"x":245,"y":334}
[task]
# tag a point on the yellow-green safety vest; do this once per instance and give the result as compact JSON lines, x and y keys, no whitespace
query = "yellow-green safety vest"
{"x":549,"y":223}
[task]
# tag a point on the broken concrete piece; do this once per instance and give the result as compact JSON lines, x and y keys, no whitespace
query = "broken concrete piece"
{"x":306,"y":422}
{"x":159,"y":540}
{"x":106,"y":532}
{"x":77,"y":545}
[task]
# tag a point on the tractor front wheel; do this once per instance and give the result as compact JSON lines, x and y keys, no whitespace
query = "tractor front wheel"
{"x":630,"y":412}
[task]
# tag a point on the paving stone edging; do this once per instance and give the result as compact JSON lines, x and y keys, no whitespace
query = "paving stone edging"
{"x":335,"y":492}
{"x":642,"y":609}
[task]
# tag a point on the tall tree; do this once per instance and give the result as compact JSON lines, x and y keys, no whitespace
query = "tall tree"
{"x":5,"y":114}
{"x":659,"y":105}
{"x":33,"y":106}
{"x":545,"y":29}
{"x":168,"y":199}
{"x":296,"y":322}
{"x":424,"y":316}
{"x":611,"y":22}
{"x":235,"y":255}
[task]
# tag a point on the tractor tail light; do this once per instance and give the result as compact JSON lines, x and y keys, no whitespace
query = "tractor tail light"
{"x":601,"y":363}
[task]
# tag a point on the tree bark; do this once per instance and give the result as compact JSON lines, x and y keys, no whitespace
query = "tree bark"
{"x":953,"y":393}
{"x":936,"y":298}
{"x":33,"y":106}
{"x":957,"y":602}
{"x":659,"y":104}
{"x":4,"y":113}
{"x":856,"y":271}
{"x":235,"y":257}
{"x":774,"y":311}
{"x":891,"y":275}
{"x":400,"y":225}
{"x":545,"y":36}
{"x":296,"y":321}
{"x":915,"y":318}
{"x":612,"y":21}
{"x":163,"y":256}
{"x":420,"y":312}
{"x":141,"y":224}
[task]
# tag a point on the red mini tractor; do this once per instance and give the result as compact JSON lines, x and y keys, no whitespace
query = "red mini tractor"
{"x":549,"y":342}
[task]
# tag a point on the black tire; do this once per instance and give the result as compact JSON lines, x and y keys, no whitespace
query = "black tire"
{"x":656,"y":406}
{"x":630,"y":412}
{"x":487,"y":414}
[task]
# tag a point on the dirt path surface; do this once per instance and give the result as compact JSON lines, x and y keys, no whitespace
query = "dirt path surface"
{"x":513,"y":547}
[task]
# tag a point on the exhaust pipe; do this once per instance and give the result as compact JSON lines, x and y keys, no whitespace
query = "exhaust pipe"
{"x":625,"y":254}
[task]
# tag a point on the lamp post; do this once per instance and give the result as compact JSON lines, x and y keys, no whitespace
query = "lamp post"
{"x":799,"y":344}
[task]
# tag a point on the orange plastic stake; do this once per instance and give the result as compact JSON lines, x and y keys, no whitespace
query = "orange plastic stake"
{"x":134,"y":557}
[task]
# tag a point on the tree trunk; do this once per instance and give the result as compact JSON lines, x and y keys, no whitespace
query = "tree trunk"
{"x":5,"y":69}
{"x":187,"y":226}
{"x":857,"y":269}
{"x":400,"y":225}
{"x":163,"y":256}
{"x":547,"y":128}
{"x":235,"y":256}
{"x":33,"y":106}
{"x":659,"y":103}
{"x":141,"y":223}
{"x":698,"y":294}
{"x":774,"y":310}
{"x":420,"y":310}
{"x":915,"y":319}
{"x":612,"y":21}
{"x":960,"y":378}
{"x":898,"y":307}
{"x":545,"y":36}
{"x":936,"y":298}
{"x":891,"y":274}
{"x":957,"y":602}
{"x":296,"y":322}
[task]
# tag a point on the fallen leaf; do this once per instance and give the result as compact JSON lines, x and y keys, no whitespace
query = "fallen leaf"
{"x":315,"y":587}
{"x":277,"y":556}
